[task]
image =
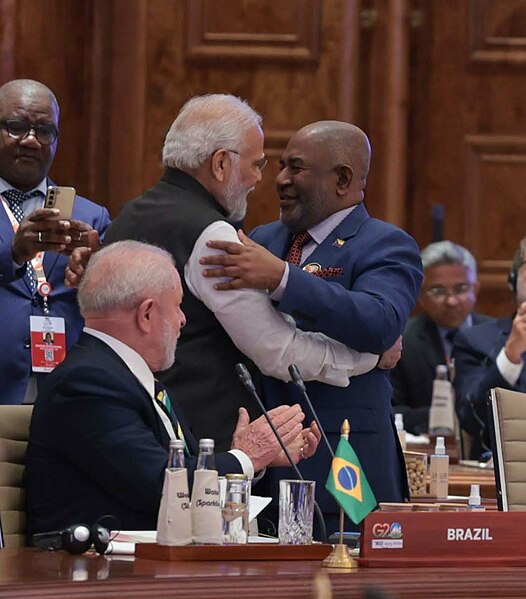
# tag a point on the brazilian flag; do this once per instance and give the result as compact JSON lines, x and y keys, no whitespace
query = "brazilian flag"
{"x":348,"y":485}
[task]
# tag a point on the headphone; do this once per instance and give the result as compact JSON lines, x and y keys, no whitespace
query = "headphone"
{"x":75,"y":539}
{"x":513,"y":274}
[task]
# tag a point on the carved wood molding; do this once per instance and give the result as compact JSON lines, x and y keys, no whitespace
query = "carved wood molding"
{"x":295,"y":41}
{"x":493,"y":36}
{"x":488,"y":150}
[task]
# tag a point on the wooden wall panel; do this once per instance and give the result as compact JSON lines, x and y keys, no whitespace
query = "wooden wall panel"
{"x":271,"y":31}
{"x":467,"y":136}
{"x":498,"y":31}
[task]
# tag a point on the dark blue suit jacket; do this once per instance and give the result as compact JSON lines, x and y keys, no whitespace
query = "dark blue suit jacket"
{"x":366,"y":307}
{"x":475,"y":352}
{"x":17,"y":303}
{"x":97,"y":445}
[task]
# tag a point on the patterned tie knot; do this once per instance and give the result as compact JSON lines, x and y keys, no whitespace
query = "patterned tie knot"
{"x":296,"y":249}
{"x":15,"y":198}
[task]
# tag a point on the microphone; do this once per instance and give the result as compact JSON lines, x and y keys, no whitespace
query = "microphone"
{"x":246,"y":379}
{"x":298,"y":381}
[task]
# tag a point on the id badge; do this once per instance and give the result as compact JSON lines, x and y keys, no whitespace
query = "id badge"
{"x":48,"y":342}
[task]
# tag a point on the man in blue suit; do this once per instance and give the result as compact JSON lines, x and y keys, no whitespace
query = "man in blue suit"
{"x":356,"y":279}
{"x":29,"y":115}
{"x":99,"y":433}
{"x":491,"y":355}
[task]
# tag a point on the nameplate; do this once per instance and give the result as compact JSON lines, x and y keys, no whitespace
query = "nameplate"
{"x":398,"y":539}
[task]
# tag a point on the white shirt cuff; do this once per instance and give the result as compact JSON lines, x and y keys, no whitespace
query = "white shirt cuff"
{"x":245,"y":462}
{"x":509,"y":371}
{"x":277,"y":294}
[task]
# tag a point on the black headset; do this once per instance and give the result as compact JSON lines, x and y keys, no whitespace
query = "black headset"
{"x":74,"y":539}
{"x":514,"y":272}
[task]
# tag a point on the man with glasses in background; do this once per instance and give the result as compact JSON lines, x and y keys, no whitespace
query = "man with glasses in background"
{"x":447,"y":300}
{"x":34,"y":242}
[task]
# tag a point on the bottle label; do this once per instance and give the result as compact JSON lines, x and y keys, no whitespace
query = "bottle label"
{"x":174,"y":525}
{"x":442,"y":417}
{"x":206,"y":508}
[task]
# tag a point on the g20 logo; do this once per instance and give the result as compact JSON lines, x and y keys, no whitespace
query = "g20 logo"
{"x":383,"y":530}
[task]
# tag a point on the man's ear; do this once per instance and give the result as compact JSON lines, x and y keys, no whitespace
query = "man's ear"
{"x":144,"y":315}
{"x":219,"y":159}
{"x":344,"y":174}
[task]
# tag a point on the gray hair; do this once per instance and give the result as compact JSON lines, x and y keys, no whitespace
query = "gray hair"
{"x":205,"y":124}
{"x":123,"y":274}
{"x":447,"y":252}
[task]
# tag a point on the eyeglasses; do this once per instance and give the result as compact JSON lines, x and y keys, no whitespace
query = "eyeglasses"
{"x":442,"y":293}
{"x":19,"y":130}
{"x":259,"y":164}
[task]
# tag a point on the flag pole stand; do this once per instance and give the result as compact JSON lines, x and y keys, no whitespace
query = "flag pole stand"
{"x":340,"y":557}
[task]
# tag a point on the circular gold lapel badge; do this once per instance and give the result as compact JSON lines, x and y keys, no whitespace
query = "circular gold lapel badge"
{"x":312,"y":268}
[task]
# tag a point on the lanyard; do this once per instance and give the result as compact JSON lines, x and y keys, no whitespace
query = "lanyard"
{"x":36,"y":262}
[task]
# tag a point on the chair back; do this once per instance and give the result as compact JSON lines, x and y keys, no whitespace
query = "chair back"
{"x":14,"y":435}
{"x":508,"y":416}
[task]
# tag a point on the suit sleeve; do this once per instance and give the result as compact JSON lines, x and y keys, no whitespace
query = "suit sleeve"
{"x":475,"y":375}
{"x":371,"y":314}
{"x":104,"y":433}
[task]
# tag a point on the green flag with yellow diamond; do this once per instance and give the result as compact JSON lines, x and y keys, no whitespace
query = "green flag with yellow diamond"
{"x":348,"y":485}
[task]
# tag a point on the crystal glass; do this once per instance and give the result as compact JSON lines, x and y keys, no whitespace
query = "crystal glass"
{"x":296,"y":510}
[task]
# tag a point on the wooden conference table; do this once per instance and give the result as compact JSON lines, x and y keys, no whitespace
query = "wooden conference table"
{"x":33,"y":573}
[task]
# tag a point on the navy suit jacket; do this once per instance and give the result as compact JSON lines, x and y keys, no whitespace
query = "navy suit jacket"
{"x":17,"y":303}
{"x":365,"y":307}
{"x":475,"y":352}
{"x":97,"y":445}
{"x":414,"y":374}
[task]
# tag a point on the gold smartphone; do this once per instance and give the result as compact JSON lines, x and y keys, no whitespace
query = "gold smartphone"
{"x":61,"y":198}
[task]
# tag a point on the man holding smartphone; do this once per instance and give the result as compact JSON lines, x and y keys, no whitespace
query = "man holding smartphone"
{"x":34,"y":241}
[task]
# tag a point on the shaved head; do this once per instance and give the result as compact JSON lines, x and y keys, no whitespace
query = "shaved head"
{"x":344,"y":143}
{"x":26,"y":88}
{"x":323,"y":170}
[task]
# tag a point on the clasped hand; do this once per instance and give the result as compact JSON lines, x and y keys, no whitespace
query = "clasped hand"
{"x":257,"y":440}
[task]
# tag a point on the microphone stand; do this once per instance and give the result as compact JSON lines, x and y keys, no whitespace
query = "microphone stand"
{"x":245,"y":378}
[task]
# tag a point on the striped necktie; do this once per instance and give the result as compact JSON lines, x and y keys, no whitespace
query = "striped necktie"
{"x":16,"y":199}
{"x":163,"y":399}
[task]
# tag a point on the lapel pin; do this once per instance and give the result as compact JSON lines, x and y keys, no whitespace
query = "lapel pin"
{"x":338,"y":243}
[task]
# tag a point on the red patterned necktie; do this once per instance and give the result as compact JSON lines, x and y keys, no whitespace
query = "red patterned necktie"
{"x":296,"y":248}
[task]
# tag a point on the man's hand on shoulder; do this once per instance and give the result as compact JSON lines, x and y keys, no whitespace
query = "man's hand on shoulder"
{"x":248,"y":264}
{"x":390,"y":357}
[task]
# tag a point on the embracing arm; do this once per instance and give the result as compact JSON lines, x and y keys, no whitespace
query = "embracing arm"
{"x":265,"y":335}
